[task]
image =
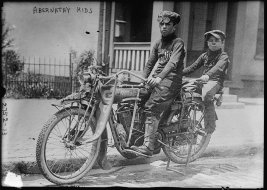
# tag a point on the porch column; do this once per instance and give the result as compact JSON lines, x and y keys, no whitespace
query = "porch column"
{"x":250,"y":65}
{"x":220,"y":16}
{"x":111,"y":36}
{"x":183,"y":8}
{"x":239,"y":42}
{"x":245,"y":39}
{"x":158,"y":6}
{"x":100,"y":34}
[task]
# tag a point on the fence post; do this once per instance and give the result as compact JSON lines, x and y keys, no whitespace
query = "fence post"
{"x":71,"y":88}
{"x":6,"y":70}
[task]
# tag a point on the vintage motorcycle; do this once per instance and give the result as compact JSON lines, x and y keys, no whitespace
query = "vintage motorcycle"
{"x":75,"y":138}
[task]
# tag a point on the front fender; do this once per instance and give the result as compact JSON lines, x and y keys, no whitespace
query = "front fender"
{"x":77,"y":97}
{"x":67,"y":108}
{"x":103,"y":112}
{"x":102,"y":156}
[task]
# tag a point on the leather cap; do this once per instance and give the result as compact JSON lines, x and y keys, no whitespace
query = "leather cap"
{"x":167,"y":16}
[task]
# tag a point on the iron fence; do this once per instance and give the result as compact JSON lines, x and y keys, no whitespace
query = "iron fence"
{"x":50,"y":78}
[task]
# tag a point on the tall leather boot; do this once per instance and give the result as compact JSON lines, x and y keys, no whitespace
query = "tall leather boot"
{"x":151,"y":127}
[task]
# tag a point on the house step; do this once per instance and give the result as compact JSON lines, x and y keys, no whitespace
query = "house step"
{"x":231,"y":105}
{"x":229,"y":98}
{"x":226,"y":90}
{"x":252,"y":101}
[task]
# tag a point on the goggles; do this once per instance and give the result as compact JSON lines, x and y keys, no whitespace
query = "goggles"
{"x":163,"y":19}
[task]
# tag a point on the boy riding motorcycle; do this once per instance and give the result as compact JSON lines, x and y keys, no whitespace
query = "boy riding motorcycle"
{"x":169,"y":53}
{"x":215,"y":62}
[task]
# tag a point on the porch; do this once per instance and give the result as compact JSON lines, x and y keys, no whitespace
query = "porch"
{"x":130,"y":56}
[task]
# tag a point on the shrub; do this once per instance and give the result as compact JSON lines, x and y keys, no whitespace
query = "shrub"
{"x":29,"y":85}
{"x":85,"y":59}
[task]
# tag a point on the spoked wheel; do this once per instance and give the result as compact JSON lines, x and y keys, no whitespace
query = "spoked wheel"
{"x":192,"y":137}
{"x":60,"y":159}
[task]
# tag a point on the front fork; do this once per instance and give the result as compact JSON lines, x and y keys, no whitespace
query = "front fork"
{"x":112,"y":124}
{"x":72,"y":135}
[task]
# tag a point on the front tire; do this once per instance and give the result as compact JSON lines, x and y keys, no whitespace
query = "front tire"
{"x":59,"y":162}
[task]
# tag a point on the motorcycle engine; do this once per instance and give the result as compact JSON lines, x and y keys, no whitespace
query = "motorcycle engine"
{"x":124,"y":115}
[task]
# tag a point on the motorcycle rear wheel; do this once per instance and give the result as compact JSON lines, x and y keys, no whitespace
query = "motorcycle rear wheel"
{"x":59,"y":162}
{"x":178,"y":152}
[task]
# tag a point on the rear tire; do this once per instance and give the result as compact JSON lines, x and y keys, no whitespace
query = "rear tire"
{"x":198,"y":147}
{"x":59,"y":168}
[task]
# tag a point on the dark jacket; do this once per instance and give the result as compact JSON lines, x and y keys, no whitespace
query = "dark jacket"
{"x":215,"y":65}
{"x":170,"y":54}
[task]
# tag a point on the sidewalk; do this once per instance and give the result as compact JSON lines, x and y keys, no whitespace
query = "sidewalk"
{"x":239,"y":132}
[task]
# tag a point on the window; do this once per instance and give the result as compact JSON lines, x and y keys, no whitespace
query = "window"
{"x":133,"y":22}
{"x":260,"y":35}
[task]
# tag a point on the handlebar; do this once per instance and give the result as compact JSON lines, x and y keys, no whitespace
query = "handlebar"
{"x":115,"y":75}
{"x":141,"y":85}
{"x":131,"y":86}
{"x":120,"y":72}
{"x":132,"y":73}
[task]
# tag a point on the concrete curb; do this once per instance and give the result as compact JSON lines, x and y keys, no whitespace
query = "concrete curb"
{"x":117,"y":160}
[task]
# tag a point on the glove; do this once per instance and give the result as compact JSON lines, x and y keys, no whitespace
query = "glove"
{"x":205,"y":78}
{"x":153,"y":81}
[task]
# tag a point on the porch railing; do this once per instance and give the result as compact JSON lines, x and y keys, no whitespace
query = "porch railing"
{"x":130,"y":55}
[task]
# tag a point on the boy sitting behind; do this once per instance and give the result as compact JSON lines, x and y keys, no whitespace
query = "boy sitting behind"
{"x":215,"y":62}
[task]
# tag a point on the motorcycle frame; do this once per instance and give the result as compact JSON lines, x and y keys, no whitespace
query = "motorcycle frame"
{"x":111,"y":117}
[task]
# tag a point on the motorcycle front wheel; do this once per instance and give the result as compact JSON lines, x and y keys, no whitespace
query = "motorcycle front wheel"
{"x":186,"y":142}
{"x":59,"y":159}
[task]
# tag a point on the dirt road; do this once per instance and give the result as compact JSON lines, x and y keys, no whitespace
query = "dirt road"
{"x":235,"y":128}
{"x":215,"y":172}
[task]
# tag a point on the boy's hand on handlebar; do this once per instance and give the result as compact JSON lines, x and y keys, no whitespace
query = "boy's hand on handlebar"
{"x":141,"y":84}
{"x":204,"y":78}
{"x":151,"y":81}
